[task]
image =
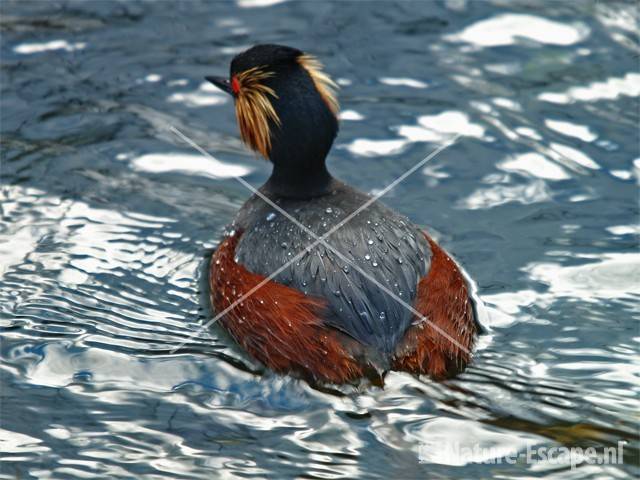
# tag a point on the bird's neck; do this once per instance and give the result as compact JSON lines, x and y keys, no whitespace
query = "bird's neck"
{"x":301,"y":141}
{"x":301,"y":179}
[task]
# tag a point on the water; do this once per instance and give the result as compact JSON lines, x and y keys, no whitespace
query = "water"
{"x":108,"y":220}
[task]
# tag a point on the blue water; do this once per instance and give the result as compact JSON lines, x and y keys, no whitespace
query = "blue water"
{"x":108,"y":220}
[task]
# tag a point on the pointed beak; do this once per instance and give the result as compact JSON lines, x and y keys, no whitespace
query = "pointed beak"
{"x":222,"y":83}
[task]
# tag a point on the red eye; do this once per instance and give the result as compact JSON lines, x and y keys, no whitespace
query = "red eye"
{"x":235,"y":85}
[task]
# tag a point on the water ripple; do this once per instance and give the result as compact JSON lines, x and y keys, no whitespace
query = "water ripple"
{"x":107,"y":224}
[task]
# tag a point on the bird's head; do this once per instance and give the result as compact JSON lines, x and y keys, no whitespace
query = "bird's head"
{"x":285,"y":104}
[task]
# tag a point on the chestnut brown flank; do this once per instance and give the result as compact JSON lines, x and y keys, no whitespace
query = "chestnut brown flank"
{"x":279,"y":326}
{"x":283,"y":328}
{"x":443,"y":298}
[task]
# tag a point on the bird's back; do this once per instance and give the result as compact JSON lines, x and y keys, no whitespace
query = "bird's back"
{"x":377,"y":246}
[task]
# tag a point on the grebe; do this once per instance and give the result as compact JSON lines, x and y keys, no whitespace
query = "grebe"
{"x":321,"y":317}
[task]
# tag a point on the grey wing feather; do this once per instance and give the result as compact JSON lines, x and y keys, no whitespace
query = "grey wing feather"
{"x":377,"y":241}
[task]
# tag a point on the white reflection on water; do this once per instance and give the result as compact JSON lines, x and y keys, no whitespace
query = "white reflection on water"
{"x":534,"y":165}
{"x":258,"y":3}
{"x":624,"y":229}
{"x":25,"y":234}
{"x":507,"y":103}
{"x":14,"y":442}
{"x":430,"y":128}
{"x":618,"y":15}
{"x":236,"y":49}
{"x":205,"y":95}
{"x":451,"y":441}
{"x":351,"y":115}
{"x":153,"y":78}
{"x":622,"y":174}
{"x":609,"y":276}
{"x":582,"y":132}
{"x":528,"y":132}
{"x":63,"y":363}
{"x":613,"y":276}
{"x":619,"y":19}
{"x":570,"y":153}
{"x":507,"y":28}
{"x":504,"y":68}
{"x":18,"y":246}
{"x":188,"y":163}
{"x":372,"y":148}
{"x":29,"y":48}
{"x":437,"y":128}
{"x":507,"y":307}
{"x":343,"y":441}
{"x":403,"y":82}
{"x":100,"y":241}
{"x":504,"y":192}
{"x":612,"y":88}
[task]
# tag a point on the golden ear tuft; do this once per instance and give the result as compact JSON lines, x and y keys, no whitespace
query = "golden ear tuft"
{"x":325,"y":86}
{"x":254,"y":109}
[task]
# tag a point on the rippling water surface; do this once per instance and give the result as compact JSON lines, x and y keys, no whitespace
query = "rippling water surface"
{"x":108,"y":219}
